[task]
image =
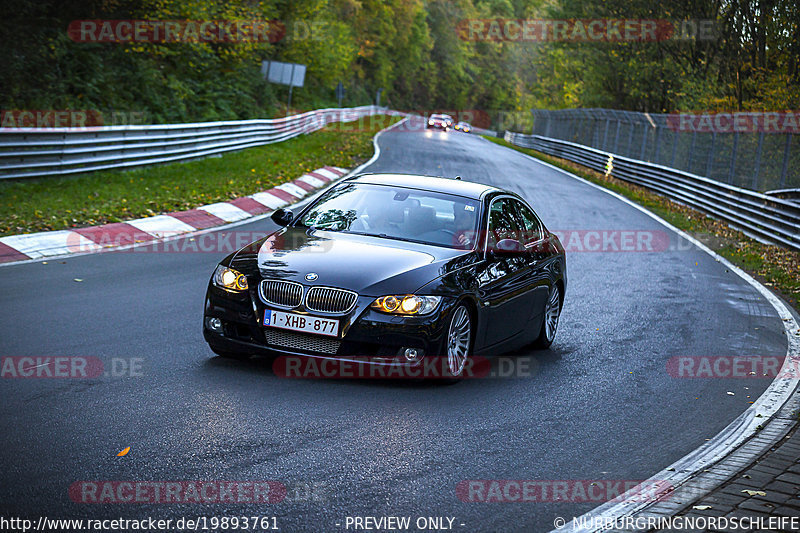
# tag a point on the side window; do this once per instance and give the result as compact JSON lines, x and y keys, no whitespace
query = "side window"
{"x":532,"y":227}
{"x":502,"y":222}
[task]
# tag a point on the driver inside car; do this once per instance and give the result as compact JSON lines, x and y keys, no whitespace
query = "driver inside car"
{"x":464,"y":224}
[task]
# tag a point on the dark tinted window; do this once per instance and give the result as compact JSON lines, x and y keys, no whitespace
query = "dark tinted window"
{"x":532,"y":227}
{"x":502,"y":222}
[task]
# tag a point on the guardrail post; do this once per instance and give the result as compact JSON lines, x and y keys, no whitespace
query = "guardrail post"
{"x":644,"y":142}
{"x":733,"y":157}
{"x":758,"y":161}
{"x":630,"y":141}
{"x":588,"y":132}
{"x":675,"y":148}
{"x":785,"y":168}
{"x":657,"y":151}
{"x":596,"y":133}
{"x":710,"y":158}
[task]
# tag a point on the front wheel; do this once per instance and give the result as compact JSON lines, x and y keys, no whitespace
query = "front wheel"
{"x":458,"y":342}
{"x":552,"y":311}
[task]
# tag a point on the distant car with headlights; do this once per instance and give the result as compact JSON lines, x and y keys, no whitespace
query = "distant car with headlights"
{"x":396,"y":268}
{"x":463,"y":126}
{"x":440,"y":121}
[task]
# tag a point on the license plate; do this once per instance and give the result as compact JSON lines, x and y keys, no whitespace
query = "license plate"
{"x":305,"y":323}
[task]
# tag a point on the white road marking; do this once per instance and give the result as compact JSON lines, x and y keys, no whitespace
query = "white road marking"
{"x":327,"y":173}
{"x":225,"y":211}
{"x":292,"y":189}
{"x":268,"y":199}
{"x":49,"y":243}
{"x":161,"y":226}
{"x":311,"y":180}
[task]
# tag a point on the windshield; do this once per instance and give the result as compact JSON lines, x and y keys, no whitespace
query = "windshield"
{"x":397,"y":213}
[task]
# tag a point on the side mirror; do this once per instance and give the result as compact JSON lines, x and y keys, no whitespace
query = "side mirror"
{"x":508,"y":248}
{"x":282,"y":217}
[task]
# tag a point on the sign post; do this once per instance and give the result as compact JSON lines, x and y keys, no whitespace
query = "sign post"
{"x":291,"y":74}
{"x":340,"y":93}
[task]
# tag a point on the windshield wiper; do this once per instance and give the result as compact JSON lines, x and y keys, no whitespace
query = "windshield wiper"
{"x":386,"y":236}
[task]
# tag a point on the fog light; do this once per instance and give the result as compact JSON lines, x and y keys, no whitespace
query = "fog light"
{"x":214,"y":324}
{"x":412,"y":354}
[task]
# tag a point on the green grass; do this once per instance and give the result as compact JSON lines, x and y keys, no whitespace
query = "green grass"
{"x":54,"y":203}
{"x":774,"y":266}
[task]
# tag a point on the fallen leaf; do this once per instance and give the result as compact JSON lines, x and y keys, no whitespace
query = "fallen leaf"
{"x":77,"y":279}
{"x":731,"y":394}
{"x":754,"y":492}
{"x":124,"y":452}
{"x":701,"y":507}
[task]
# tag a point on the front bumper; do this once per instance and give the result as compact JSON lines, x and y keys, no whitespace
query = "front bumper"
{"x":365,"y":334}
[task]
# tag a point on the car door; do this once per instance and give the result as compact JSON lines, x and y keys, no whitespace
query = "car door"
{"x":532,"y":231}
{"x":503,"y":280}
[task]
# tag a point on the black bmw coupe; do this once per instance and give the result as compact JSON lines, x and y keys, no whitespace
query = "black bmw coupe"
{"x":392,"y":268}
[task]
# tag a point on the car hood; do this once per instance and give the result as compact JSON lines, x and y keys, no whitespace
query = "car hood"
{"x":371,"y":266}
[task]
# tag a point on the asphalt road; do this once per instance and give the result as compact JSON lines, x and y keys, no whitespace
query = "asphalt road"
{"x":599,"y":404}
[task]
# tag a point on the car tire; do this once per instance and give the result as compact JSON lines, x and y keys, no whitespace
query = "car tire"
{"x":457,"y":345}
{"x":552,"y":312}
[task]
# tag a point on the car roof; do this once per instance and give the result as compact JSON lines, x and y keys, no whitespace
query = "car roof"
{"x":468,"y":189}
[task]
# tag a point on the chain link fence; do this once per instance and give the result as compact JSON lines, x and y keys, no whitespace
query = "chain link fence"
{"x":756,"y":158}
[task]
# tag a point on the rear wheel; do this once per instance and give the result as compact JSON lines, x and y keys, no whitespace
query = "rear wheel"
{"x":552,"y":311}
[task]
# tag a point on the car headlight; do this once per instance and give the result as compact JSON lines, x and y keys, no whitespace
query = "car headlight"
{"x":228,"y":278}
{"x":406,"y":304}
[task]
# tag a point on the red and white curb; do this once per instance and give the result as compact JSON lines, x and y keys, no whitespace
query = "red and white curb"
{"x":157,"y":228}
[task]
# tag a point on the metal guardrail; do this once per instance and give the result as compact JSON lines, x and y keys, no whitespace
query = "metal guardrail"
{"x":481,"y":131}
{"x":765,"y":217}
{"x":31,"y":152}
{"x":750,"y":155}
